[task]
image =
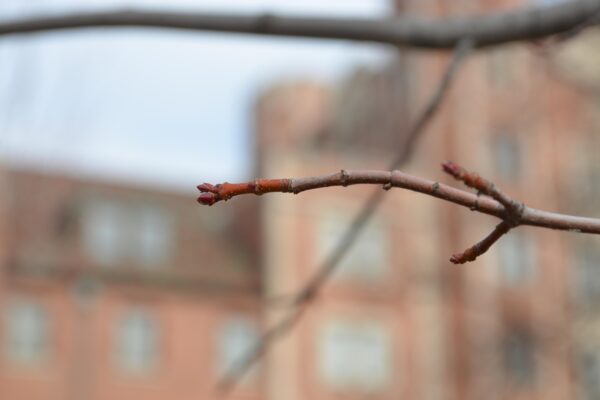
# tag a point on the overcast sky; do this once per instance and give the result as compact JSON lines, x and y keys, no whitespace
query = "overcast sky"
{"x":160,"y":107}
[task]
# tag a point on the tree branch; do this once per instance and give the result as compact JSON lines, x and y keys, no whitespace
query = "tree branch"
{"x":388,"y":179}
{"x":409,"y":31}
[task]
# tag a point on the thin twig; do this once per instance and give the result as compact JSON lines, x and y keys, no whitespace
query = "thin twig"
{"x":514,"y":209}
{"x":241,"y":366}
{"x":318,"y":279}
{"x":481,"y":247}
{"x":462,"y":50}
{"x":512,"y":217}
{"x":397,"y":179}
{"x":410,"y":31}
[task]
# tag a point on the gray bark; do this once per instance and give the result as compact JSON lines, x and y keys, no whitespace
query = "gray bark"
{"x":409,"y":31}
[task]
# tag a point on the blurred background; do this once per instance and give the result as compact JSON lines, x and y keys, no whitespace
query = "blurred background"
{"x":115,"y":284}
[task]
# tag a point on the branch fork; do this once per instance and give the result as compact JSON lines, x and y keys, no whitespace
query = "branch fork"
{"x":513,"y":210}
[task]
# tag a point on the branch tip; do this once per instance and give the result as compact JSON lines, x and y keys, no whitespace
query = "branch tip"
{"x":464,"y":257}
{"x":209,"y":194}
{"x":453,"y":169}
{"x":207,"y":199}
{"x":206,"y":187}
{"x":471,"y":179}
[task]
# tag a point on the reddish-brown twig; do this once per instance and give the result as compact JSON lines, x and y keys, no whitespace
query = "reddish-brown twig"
{"x":512,"y":216}
{"x":481,"y":247}
{"x":514,"y":209}
{"x":388,"y":179}
{"x":211,"y":194}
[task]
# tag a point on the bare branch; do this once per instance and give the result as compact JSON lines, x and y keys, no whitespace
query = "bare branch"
{"x":530,"y":216}
{"x":410,"y":31}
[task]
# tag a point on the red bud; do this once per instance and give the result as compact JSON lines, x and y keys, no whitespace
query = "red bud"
{"x":206,"y":187}
{"x":456,"y":258}
{"x":452,"y":168}
{"x":208,"y":199}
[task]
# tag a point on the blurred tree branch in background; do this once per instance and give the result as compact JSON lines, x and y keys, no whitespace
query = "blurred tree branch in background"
{"x":409,"y":31}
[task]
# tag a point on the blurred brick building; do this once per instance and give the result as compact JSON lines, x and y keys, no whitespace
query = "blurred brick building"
{"x":398,"y":320}
{"x":118,"y":292}
{"x":112,"y":292}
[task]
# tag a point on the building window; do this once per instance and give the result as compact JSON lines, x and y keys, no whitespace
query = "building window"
{"x":507,"y":156}
{"x":104,"y":235}
{"x":27,"y":333}
{"x":236,"y":340}
{"x":137,"y":342}
{"x":367,"y":259}
{"x":355,"y":357}
{"x":517,"y":258}
{"x":154,"y":235}
{"x":518,"y":359}
{"x":116,"y":233}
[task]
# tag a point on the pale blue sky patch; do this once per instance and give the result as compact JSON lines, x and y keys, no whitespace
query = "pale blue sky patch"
{"x":157,"y":106}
